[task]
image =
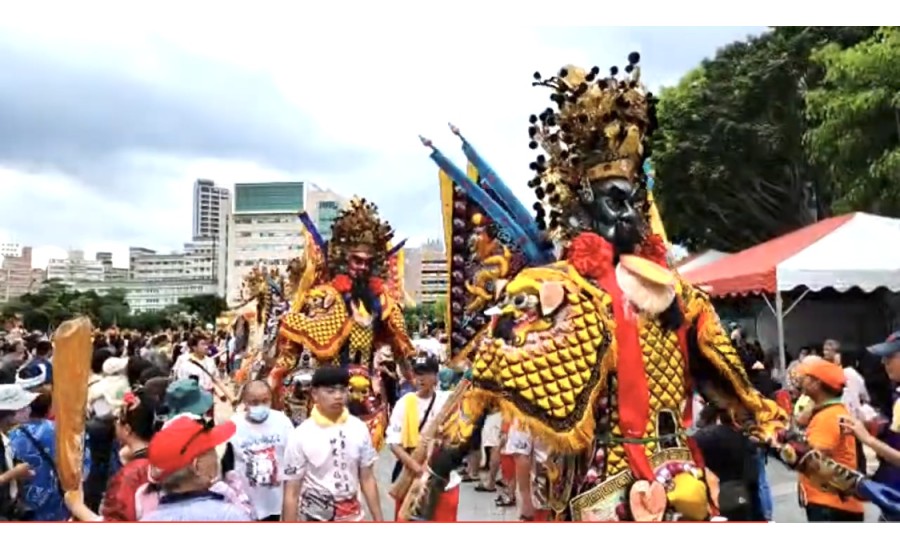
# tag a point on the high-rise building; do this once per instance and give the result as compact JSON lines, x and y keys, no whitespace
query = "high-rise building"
{"x":16,"y":274}
{"x":425,"y":274}
{"x":210,"y":209}
{"x":263,"y":229}
{"x":323,"y":207}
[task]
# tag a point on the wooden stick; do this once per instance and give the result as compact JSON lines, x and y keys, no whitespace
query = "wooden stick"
{"x":72,"y":351}
{"x":405,"y":480}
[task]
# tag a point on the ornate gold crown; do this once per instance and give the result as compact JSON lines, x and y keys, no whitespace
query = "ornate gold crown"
{"x":357,"y":226}
{"x":597,"y":131}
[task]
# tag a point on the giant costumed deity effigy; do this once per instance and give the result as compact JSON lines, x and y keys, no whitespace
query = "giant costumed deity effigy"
{"x":574,"y":324}
{"x":346,"y":304}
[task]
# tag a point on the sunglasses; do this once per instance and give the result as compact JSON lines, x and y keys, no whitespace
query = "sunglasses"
{"x":205,"y":426}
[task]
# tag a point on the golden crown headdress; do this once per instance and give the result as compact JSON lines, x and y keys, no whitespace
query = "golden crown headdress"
{"x":357,"y":226}
{"x":599,"y":130}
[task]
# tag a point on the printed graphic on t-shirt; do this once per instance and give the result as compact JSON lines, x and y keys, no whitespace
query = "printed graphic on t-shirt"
{"x":261,"y":461}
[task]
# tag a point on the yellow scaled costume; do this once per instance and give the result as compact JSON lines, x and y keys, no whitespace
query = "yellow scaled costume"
{"x":341,"y":312}
{"x":598,"y":353}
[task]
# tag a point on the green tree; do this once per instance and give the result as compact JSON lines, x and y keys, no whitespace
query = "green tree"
{"x":730,"y":162}
{"x":205,"y":307}
{"x":854,"y":119}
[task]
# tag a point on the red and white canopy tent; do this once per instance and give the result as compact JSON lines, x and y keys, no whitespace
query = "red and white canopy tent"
{"x":851,"y":251}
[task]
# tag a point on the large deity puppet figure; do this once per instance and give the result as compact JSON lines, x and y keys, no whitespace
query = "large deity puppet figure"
{"x":340,"y":315}
{"x":597,"y":355}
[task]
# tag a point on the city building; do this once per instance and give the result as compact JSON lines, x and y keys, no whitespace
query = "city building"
{"x":111,"y":273}
{"x":211,"y":207}
{"x":323,"y":207}
{"x":425,"y":274}
{"x":195,"y":262}
{"x":144,"y":296}
{"x":263,"y":229}
{"x":75,"y":268}
{"x":10,"y":249}
{"x":17,"y":277}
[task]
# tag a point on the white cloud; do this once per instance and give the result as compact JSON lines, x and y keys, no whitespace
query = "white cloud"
{"x":359,"y":85}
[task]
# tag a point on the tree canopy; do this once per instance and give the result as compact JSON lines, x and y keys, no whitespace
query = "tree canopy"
{"x":54,"y":302}
{"x":854,"y":119}
{"x":731,"y":157}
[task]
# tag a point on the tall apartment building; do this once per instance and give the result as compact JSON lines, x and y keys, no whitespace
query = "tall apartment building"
{"x":323,"y":206}
{"x":425,"y":275}
{"x":210,"y":209}
{"x":75,"y":268}
{"x":263,"y":229}
{"x":17,"y":277}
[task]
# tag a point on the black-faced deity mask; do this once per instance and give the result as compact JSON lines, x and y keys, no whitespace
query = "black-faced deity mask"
{"x":614,"y":210}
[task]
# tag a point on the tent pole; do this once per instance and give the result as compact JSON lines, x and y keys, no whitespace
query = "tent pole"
{"x":779,"y":323}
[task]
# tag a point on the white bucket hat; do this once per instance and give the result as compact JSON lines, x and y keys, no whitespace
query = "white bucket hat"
{"x":14,"y":398}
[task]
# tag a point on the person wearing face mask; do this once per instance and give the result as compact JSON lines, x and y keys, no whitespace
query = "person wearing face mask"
{"x":184,"y":463}
{"x":258,"y":448}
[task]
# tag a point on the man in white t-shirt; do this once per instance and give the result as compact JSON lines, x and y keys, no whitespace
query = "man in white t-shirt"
{"x":197,"y":364}
{"x":330,"y":459}
{"x":259,"y":446}
{"x":412,"y":412}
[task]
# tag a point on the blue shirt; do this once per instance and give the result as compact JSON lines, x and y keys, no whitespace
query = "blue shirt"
{"x":41,"y":492}
{"x":199,"y":506}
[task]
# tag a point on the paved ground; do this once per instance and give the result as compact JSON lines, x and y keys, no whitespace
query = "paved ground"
{"x":480,"y":506}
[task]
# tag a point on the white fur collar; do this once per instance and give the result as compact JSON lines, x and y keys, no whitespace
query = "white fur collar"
{"x":646,"y":297}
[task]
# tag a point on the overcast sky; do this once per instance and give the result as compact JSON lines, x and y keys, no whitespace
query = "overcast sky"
{"x":104,"y":128}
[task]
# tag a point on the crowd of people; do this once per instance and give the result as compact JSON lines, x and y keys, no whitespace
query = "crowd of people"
{"x":159,"y":449}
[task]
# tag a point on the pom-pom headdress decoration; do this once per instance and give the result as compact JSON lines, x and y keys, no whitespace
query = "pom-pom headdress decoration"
{"x":598,"y":131}
{"x":359,"y":226}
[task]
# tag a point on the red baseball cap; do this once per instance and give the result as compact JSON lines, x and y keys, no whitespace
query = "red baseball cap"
{"x":181,"y":441}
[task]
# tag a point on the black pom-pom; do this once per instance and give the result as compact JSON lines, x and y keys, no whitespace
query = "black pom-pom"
{"x":532,"y":145}
{"x":595,"y":70}
{"x":557,"y":98}
{"x":553,"y":138}
{"x":582,"y":88}
{"x":541,"y":224}
{"x":589,"y":77}
{"x":533,"y":166}
{"x":634,"y":58}
{"x":601,"y":84}
{"x":554,"y":224}
{"x":538,"y":207}
{"x":613,"y":70}
{"x":551,"y":188}
{"x":533,"y":119}
{"x":554,"y":201}
{"x":534,"y":182}
{"x":536,"y":75}
{"x":629,"y":68}
{"x":563,"y":72}
{"x":532,"y":131}
{"x":541,"y":159}
{"x":539,"y":193}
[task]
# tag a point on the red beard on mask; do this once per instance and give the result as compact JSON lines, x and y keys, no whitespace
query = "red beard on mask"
{"x":344,"y":284}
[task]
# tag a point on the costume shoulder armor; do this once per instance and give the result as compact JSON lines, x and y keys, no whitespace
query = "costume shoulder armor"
{"x":320,"y":322}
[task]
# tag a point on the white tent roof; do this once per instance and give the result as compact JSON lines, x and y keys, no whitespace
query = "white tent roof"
{"x":864,"y":252}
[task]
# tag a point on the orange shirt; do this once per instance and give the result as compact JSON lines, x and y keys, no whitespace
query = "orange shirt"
{"x":824,"y":434}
